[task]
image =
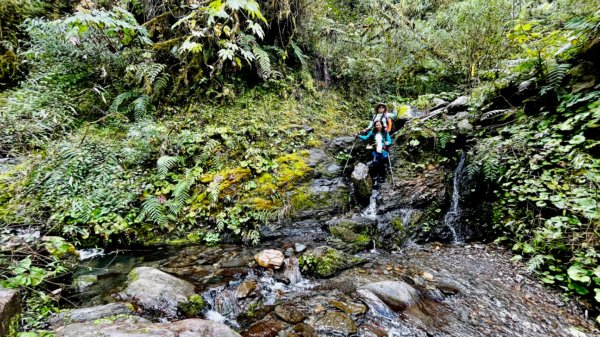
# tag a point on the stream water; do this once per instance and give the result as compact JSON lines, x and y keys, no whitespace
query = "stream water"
{"x":466,"y":290}
{"x":459,"y":290}
{"x":452,"y":217}
{"x":470,"y":290}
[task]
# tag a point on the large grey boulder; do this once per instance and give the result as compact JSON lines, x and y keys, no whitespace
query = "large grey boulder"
{"x":459,"y":104}
{"x":10,"y":309}
{"x":363,"y":186}
{"x":157,"y":291}
{"x":397,"y":295}
{"x":185,"y":328}
{"x":91,"y":314}
{"x":464,"y":126}
{"x":340,"y":144}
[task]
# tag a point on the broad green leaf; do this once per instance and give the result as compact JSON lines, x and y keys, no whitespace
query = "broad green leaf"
{"x":577,"y":273}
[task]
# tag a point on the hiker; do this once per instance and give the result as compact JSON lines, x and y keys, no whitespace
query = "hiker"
{"x":380,"y":152}
{"x":382,"y":115}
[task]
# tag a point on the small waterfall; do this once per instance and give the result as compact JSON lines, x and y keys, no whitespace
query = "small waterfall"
{"x":371,"y":211}
{"x":454,"y":212}
{"x":292,"y":270}
{"x":224,"y":304}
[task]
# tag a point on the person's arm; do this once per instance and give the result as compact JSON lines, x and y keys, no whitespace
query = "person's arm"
{"x":394,"y":113}
{"x":366,"y":137}
{"x":388,"y":139}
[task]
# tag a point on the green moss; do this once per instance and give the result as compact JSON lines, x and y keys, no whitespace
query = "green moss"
{"x":349,"y":237}
{"x":111,"y":319}
{"x":324,"y":262}
{"x":193,"y":307}
{"x":13,"y":325}
{"x":302,"y":199}
{"x":133,"y":276}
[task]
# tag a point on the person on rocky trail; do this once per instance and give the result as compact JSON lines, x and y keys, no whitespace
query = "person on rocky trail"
{"x":382,"y":115}
{"x":380,"y":152}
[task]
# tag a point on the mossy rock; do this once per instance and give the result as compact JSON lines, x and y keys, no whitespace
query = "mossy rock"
{"x":406,"y":226}
{"x":193,"y":307}
{"x":350,"y":236}
{"x":325,"y":262}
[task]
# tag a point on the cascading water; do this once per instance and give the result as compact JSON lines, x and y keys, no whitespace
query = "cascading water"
{"x":371,"y":211}
{"x":453,"y":214}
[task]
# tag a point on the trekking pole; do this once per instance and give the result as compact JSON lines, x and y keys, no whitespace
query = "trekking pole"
{"x":391,"y":171}
{"x":349,"y":156}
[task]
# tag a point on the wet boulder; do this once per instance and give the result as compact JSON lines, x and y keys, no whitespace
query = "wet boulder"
{"x":91,"y":314}
{"x":187,"y":327}
{"x":340,"y":144}
{"x":265,"y":328}
{"x":156,"y":291}
{"x":10,"y":310}
{"x":349,"y":308}
{"x":464,"y":126}
{"x":245,"y":289}
{"x":270,"y":258}
{"x":84,"y":282}
{"x":324,"y":262}
{"x":349,"y":236}
{"x":459,"y":104}
{"x":438,"y":103}
{"x":363,"y":186}
{"x":397,"y":295}
{"x":336,"y":323}
{"x":290,"y":313}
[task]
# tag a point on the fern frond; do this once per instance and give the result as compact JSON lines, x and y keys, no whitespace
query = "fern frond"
{"x":557,"y":74}
{"x":165,"y":163}
{"x":161,"y":84}
{"x":302,"y":58}
{"x":122,"y":98}
{"x":214,"y":188}
{"x":262,"y":62}
{"x":152,"y":209}
{"x":536,"y":262}
{"x":142,"y":106}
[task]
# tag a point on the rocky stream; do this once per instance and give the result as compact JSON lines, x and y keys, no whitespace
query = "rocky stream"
{"x":382,"y":268}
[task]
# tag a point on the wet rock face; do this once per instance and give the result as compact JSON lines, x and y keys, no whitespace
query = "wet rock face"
{"x":459,"y":104}
{"x":324,"y":262}
{"x":336,"y":322}
{"x":290,"y":313}
{"x":397,"y":295}
{"x":187,"y":328}
{"x":349,"y":236}
{"x":266,"y":328}
{"x":349,"y":308}
{"x":10,"y":309}
{"x":270,"y":258}
{"x":91,"y":314}
{"x":157,"y":291}
{"x":363,"y":186}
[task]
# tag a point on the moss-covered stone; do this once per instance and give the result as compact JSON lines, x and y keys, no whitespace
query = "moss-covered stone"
{"x":324,"y":262}
{"x":193,"y":307}
{"x":349,"y":236}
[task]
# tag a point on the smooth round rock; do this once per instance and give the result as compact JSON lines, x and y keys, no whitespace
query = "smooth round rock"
{"x":349,"y":307}
{"x":336,"y":322}
{"x":290,"y":313}
{"x":270,"y":258}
